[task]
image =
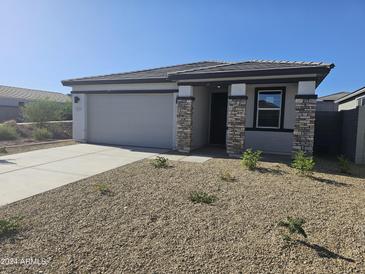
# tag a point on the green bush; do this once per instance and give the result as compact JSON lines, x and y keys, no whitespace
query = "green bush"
{"x":42,"y":111}
{"x":344,"y":164}
{"x":294,"y":226}
{"x":160,"y":162}
{"x":250,"y":158}
{"x":66,"y":111}
{"x":3,"y":150}
{"x":8,"y":226}
{"x":104,"y":189}
{"x":7,"y":132}
{"x":304,"y":164}
{"x":41,"y":134}
{"x":202,"y":197}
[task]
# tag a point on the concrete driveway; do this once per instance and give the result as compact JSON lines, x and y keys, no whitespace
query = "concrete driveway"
{"x":26,"y":174}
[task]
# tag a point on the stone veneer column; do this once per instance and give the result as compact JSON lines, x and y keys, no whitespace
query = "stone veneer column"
{"x":305,"y":111}
{"x":184,"y":123}
{"x":236,"y":120}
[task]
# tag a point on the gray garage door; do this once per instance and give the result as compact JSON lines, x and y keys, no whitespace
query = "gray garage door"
{"x":127,"y":119}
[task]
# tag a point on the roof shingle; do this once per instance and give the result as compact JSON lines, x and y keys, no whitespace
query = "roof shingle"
{"x":170,"y":72}
{"x":32,"y":94}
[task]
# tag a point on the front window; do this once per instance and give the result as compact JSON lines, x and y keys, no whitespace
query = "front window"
{"x":269,"y":104}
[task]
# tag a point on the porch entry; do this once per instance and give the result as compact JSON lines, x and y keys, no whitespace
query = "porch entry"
{"x":218,"y":118}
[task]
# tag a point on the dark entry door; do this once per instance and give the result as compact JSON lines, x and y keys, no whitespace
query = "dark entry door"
{"x":218,"y":118}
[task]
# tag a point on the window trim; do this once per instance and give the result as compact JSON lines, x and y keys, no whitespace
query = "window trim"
{"x":282,"y":90}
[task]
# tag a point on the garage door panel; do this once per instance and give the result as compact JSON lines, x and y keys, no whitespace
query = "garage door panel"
{"x":126,"y":119}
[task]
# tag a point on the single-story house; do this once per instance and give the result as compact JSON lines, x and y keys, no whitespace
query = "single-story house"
{"x":13,"y":98}
{"x":327,"y":103}
{"x":353,"y":100}
{"x":266,"y":105}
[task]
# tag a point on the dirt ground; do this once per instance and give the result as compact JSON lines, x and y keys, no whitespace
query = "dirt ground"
{"x":147,"y":224}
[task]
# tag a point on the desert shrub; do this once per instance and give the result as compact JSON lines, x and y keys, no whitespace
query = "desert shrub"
{"x":304,"y":164}
{"x":103,"y":188}
{"x":66,"y":111}
{"x":41,"y":134}
{"x":11,"y":123}
{"x":344,"y":164}
{"x":160,"y":162}
{"x":226,"y":176}
{"x":250,"y":158}
{"x":8,"y":226}
{"x":202,"y":197}
{"x":8,"y":132}
{"x":293,"y":226}
{"x":3,"y":150}
{"x":42,"y":111}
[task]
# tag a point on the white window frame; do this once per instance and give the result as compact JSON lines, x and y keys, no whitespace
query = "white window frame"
{"x":278,"y":109}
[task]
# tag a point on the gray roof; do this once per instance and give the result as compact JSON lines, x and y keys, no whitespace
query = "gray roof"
{"x":255,"y":65}
{"x":32,"y":94}
{"x":202,"y":68}
{"x":351,"y":96}
{"x":154,"y":73}
{"x":333,"y":96}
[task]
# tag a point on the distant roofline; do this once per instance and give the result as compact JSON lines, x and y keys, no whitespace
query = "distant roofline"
{"x":350,"y":96}
{"x":322,"y":98}
{"x":31,"y":94}
{"x":33,"y":89}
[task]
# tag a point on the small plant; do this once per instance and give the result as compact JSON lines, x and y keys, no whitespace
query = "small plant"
{"x":104,"y":189}
{"x":3,"y":150}
{"x":8,"y":226}
{"x":7,"y":132}
{"x":304,"y":164}
{"x":202,"y":197}
{"x":42,"y":134}
{"x":344,"y":164}
{"x":227,"y":177}
{"x":160,"y":162}
{"x":293,"y":226}
{"x":250,"y":158}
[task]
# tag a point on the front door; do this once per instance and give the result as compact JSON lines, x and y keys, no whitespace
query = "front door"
{"x":218,"y":118}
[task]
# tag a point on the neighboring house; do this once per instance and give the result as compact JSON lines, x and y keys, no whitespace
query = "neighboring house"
{"x":266,"y":105}
{"x":327,"y":103}
{"x":13,"y":98}
{"x":352,"y":100}
{"x":352,"y":109}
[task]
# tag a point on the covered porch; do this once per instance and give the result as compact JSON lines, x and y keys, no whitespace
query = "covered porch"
{"x":277,"y":118}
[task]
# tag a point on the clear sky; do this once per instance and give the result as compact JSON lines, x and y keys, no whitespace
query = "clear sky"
{"x":46,"y":41}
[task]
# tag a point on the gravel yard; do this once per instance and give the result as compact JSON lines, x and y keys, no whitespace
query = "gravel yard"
{"x":147,"y":223}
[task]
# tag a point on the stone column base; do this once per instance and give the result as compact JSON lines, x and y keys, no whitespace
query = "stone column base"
{"x":303,"y":135}
{"x":236,"y":121}
{"x":184,"y":123}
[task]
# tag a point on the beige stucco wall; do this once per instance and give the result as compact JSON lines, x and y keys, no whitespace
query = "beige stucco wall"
{"x":348,"y":105}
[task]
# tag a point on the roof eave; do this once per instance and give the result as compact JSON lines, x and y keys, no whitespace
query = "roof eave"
{"x":321,"y":71}
{"x":71,"y":83}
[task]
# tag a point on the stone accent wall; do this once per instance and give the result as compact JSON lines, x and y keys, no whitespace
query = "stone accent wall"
{"x":184,"y":123}
{"x":305,"y":111}
{"x":236,"y":121}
